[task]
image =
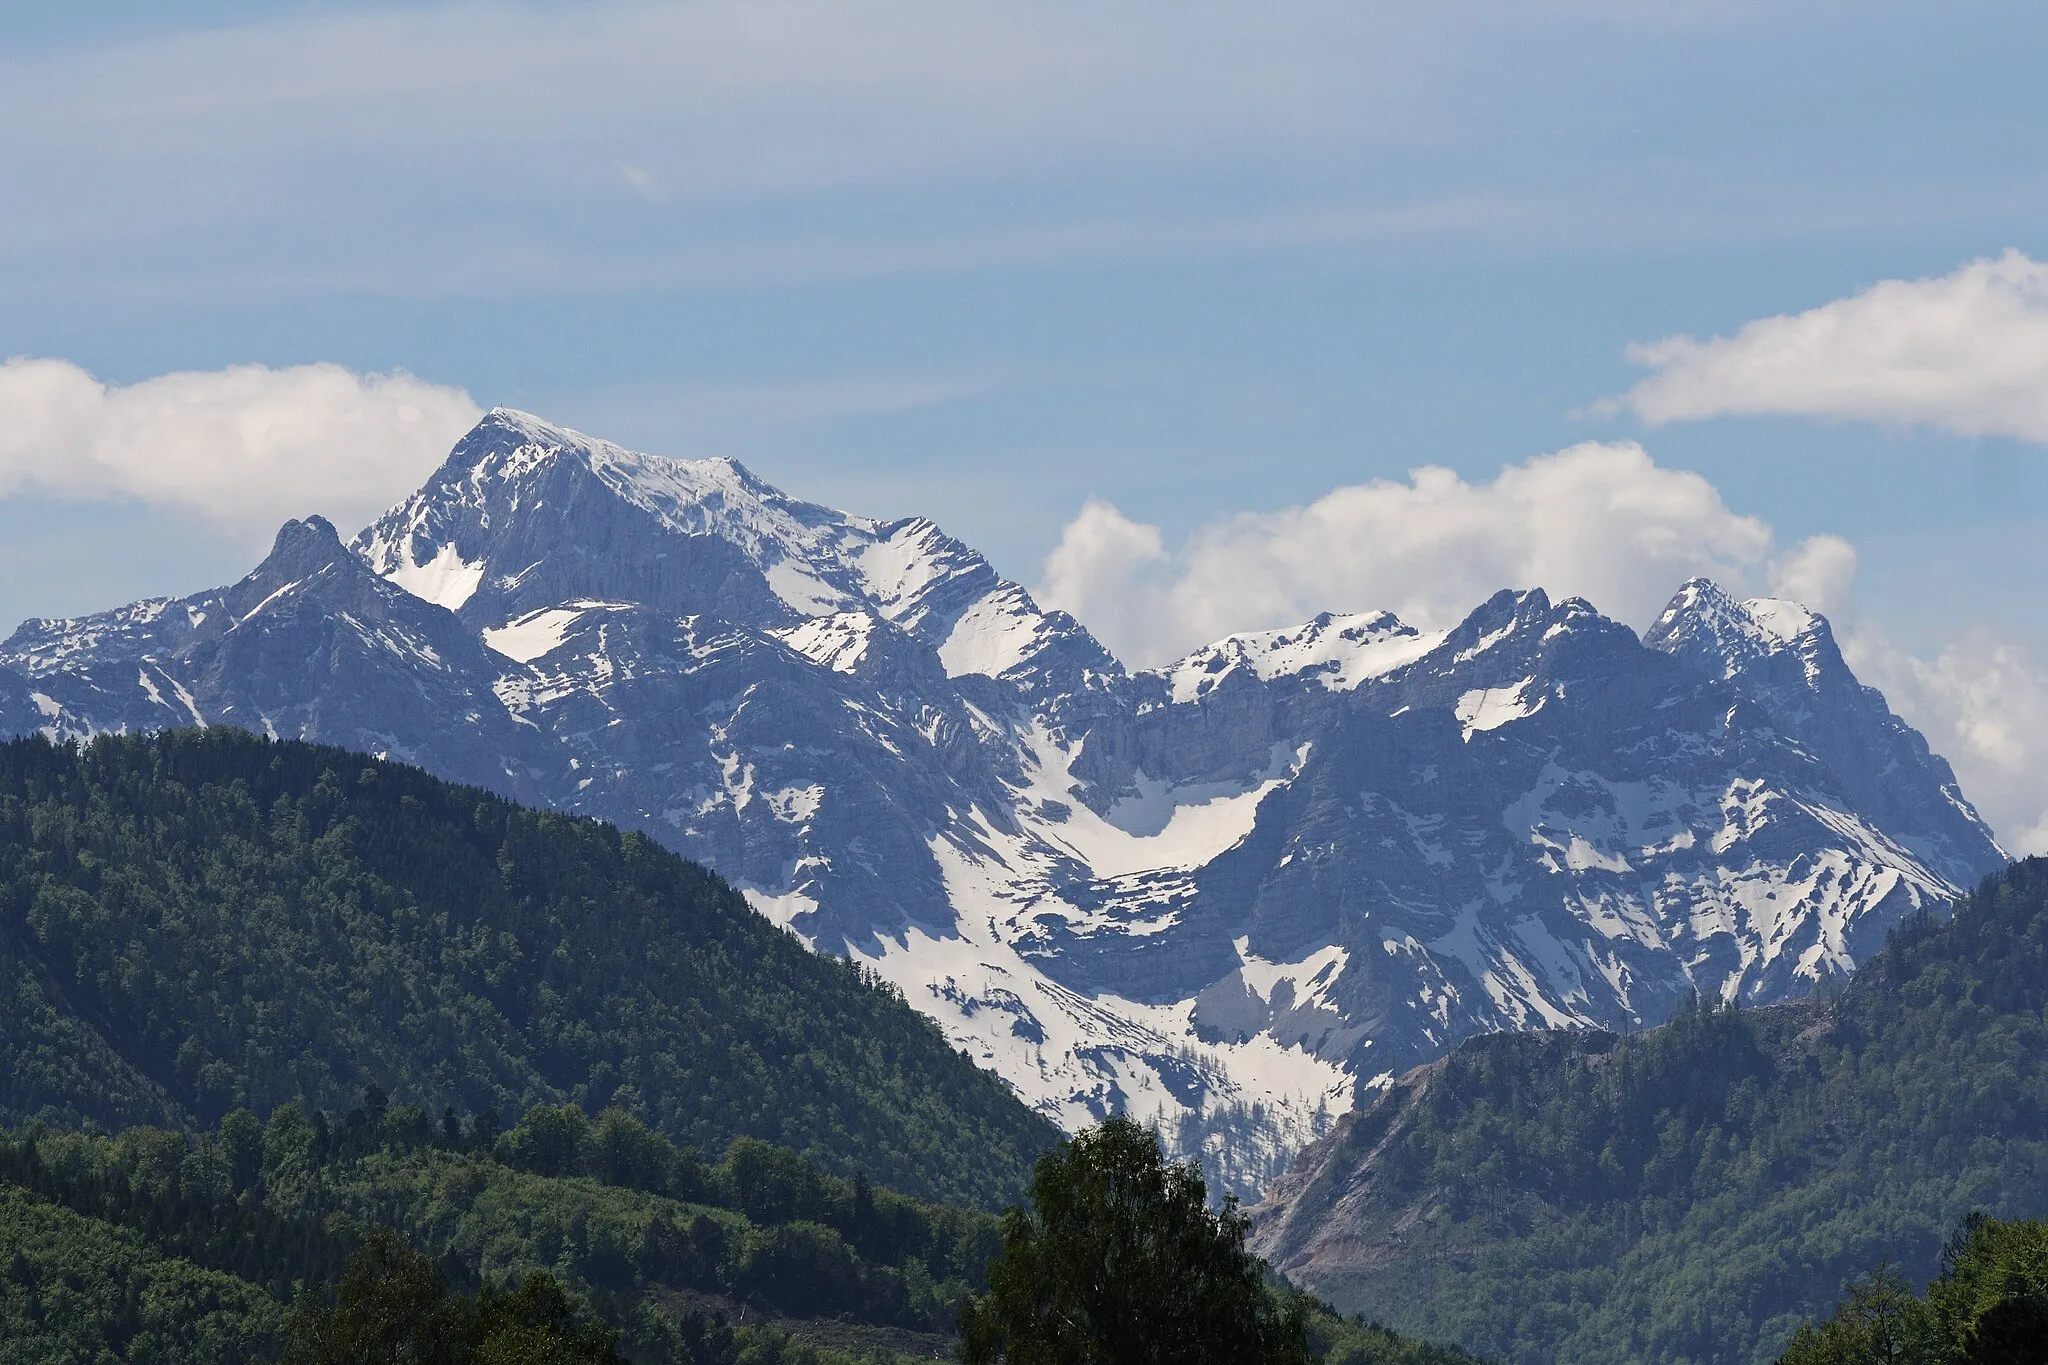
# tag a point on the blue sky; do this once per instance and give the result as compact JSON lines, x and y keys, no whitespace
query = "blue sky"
{"x":1194,"y":261}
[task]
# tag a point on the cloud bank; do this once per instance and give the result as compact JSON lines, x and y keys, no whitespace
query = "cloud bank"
{"x":247,"y":446}
{"x":1982,"y":703}
{"x":1966,"y":352}
{"x":1599,"y":521}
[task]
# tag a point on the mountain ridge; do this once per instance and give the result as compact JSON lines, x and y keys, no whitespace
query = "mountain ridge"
{"x":1233,"y":893}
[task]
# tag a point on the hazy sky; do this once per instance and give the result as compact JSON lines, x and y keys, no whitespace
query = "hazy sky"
{"x":1207,"y":272}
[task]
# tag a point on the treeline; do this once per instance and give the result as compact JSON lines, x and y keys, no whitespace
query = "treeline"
{"x":200,"y":921}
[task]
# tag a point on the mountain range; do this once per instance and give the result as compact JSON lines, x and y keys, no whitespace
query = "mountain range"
{"x":1236,"y":893}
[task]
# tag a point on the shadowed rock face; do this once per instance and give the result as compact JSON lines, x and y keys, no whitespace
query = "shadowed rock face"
{"x":1225,"y":892}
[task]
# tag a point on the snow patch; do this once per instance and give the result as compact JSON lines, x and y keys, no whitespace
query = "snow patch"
{"x":1784,"y":622}
{"x":802,"y":590}
{"x":794,"y":805}
{"x":1076,"y":1058}
{"x":445,"y":580}
{"x":993,"y":636}
{"x":1341,"y":651}
{"x":1489,"y":708}
{"x":533,"y":635}
{"x":1161,"y":826}
{"x":839,"y":641}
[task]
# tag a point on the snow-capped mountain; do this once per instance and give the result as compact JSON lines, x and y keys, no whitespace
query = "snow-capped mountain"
{"x":1226,"y":893}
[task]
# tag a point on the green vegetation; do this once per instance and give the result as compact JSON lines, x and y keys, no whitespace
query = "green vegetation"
{"x":393,"y":1304}
{"x":1696,"y":1192}
{"x":203,"y":920}
{"x":75,"y":1289}
{"x":568,"y":1239}
{"x":1338,"y":1340}
{"x":1120,"y":1259}
{"x":160,"y":1245}
{"x":1988,"y":1306}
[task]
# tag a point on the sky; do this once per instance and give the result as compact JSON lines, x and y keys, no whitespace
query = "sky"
{"x":1193,"y":317}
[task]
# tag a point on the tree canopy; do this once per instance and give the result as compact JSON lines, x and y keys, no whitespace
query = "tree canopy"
{"x":1988,"y":1306}
{"x":1121,"y":1261}
{"x":393,"y":1307}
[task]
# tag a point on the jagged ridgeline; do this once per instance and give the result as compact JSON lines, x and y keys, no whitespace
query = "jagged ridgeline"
{"x":1697,"y":1191}
{"x":1224,"y":893}
{"x":200,"y":920}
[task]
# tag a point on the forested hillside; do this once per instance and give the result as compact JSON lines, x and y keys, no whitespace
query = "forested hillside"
{"x":1697,"y":1191}
{"x":202,"y":920}
{"x":162,"y":1245}
{"x":182,"y":1248}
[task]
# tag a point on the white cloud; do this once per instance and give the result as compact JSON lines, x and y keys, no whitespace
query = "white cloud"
{"x":1982,"y":703}
{"x":241,"y":446}
{"x":1598,"y":521}
{"x":1111,"y":572}
{"x":1818,"y":573}
{"x":1966,"y":352}
{"x":1602,"y":522}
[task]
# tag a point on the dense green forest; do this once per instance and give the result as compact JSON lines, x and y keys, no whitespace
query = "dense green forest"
{"x":178,"y":1248}
{"x":201,"y":920}
{"x":1987,"y":1306}
{"x":161,"y":1244}
{"x":1696,"y":1192}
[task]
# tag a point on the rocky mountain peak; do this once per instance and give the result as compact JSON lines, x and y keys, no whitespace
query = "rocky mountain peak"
{"x":1704,"y":625}
{"x":526,"y":516}
{"x":302,"y":548}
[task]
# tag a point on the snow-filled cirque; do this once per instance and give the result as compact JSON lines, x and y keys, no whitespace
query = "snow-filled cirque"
{"x":1229,"y":894}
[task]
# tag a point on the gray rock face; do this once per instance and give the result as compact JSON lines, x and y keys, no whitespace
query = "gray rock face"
{"x":310,"y":644}
{"x":1229,"y":893}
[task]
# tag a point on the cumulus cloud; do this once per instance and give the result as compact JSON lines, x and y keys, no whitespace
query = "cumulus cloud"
{"x":1604,"y":522}
{"x":1981,"y":700}
{"x":1819,"y":573}
{"x":1982,"y":703}
{"x":1601,"y":521}
{"x":1966,"y":352}
{"x":244,"y":446}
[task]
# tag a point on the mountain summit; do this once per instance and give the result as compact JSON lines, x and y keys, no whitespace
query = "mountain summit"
{"x":1229,"y":893}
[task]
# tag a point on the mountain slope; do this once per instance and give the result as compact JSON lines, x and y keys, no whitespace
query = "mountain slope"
{"x":1697,"y":1191}
{"x":1228,"y":893}
{"x":204,"y":919}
